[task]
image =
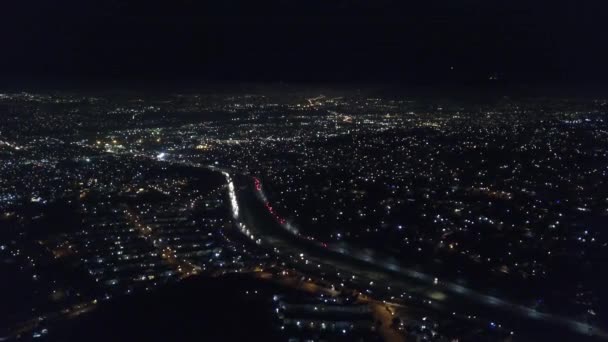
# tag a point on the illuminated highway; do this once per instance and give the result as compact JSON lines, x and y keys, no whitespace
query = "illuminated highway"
{"x":445,"y":295}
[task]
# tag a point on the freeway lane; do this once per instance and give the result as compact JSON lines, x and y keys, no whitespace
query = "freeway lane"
{"x":446,"y":296}
{"x":249,"y":203}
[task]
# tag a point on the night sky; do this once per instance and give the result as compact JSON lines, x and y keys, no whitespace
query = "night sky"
{"x":430,"y":42}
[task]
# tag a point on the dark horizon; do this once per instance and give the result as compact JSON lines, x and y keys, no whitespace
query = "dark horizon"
{"x":441,"y":44}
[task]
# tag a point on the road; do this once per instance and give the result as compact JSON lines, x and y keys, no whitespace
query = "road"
{"x":379,"y":309}
{"x":446,"y":296}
